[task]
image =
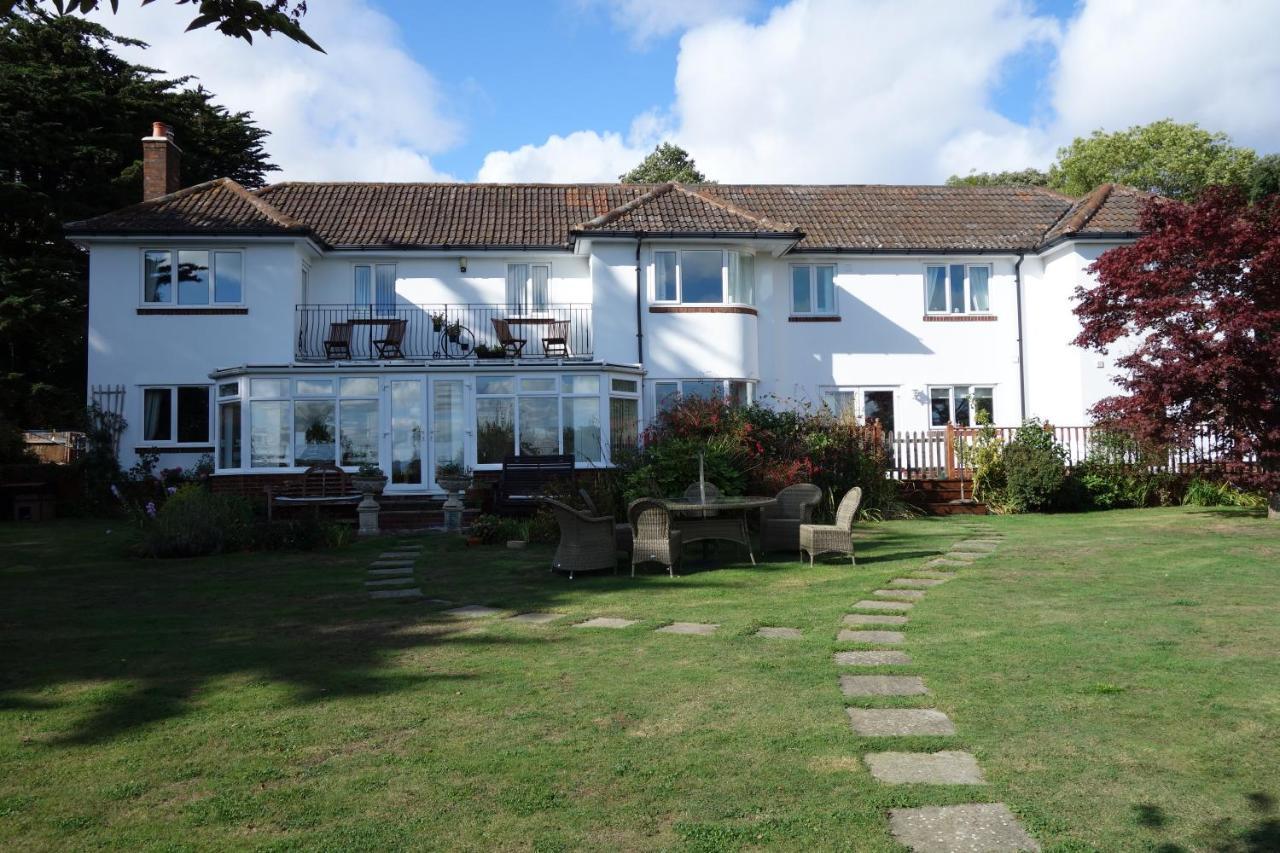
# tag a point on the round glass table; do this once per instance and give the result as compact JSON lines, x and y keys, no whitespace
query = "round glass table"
{"x":722,"y":518}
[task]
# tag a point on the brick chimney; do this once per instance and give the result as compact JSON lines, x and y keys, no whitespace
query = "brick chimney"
{"x":161,"y":159}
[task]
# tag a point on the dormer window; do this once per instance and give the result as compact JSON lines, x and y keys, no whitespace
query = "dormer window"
{"x":192,"y":277}
{"x":704,"y":277}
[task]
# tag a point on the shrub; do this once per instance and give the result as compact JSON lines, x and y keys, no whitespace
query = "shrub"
{"x":1202,"y":492}
{"x":491,"y":529}
{"x":1118,"y":472}
{"x":1035,"y":469}
{"x":194,"y":522}
{"x":302,"y":534}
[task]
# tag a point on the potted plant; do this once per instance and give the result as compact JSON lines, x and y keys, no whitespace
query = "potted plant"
{"x":369,"y":479}
{"x":453,"y":331}
{"x":486,"y":351}
{"x":453,"y":476}
{"x":437,"y":321}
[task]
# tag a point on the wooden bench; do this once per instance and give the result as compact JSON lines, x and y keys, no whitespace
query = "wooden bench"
{"x":524,"y":478}
{"x":320,"y":485}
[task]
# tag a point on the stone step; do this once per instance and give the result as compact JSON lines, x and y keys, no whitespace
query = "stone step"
{"x":396,"y":593}
{"x":390,"y":582}
{"x":924,"y":768}
{"x":399,"y":571}
{"x":974,"y":826}
{"x":872,"y":638}
{"x":882,"y":685}
{"x":872,"y":658}
{"x":899,"y":722}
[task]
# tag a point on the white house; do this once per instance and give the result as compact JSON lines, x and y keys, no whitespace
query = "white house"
{"x":223,"y":312}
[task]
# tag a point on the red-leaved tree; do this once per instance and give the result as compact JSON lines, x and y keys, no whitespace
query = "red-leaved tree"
{"x":1199,"y":295}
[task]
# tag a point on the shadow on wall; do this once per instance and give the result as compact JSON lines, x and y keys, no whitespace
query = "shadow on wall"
{"x":863,"y":331}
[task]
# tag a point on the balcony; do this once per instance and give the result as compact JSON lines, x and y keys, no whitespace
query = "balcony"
{"x":441,"y":332}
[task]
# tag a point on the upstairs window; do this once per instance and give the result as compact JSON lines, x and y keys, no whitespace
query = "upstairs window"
{"x":813,"y":289}
{"x":192,"y":277}
{"x":957,"y":289}
{"x":704,"y":277}
{"x":528,"y":286}
{"x":375,"y":287}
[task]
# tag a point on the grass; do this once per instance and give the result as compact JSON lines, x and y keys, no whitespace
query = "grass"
{"x":1115,"y":673}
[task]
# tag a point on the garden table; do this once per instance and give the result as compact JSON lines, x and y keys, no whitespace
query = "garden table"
{"x":722,"y":518}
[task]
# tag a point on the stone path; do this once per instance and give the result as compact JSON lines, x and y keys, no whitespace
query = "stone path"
{"x":974,"y":827}
{"x":606,"y":622}
{"x":779,"y":633}
{"x":391,"y":575}
{"x":698,"y":628}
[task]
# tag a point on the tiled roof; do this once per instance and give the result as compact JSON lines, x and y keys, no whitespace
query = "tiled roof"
{"x":823,"y":217}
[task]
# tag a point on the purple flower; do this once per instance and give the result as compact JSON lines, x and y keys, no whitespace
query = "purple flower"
{"x":115,"y":490}
{"x":151,"y":508}
{"x":173,"y":490}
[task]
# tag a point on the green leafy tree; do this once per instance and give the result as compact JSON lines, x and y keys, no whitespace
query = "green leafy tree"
{"x":1023,"y":178}
{"x":1264,"y":177}
{"x":1172,"y":159}
{"x":236,"y":18}
{"x":74,"y":113}
{"x":667,"y":162}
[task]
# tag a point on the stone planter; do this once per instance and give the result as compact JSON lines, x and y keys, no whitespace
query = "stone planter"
{"x":369,"y":485}
{"x":454,"y":484}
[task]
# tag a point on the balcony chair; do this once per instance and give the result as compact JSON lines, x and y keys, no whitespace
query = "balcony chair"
{"x":388,"y":346}
{"x":511,"y":345}
{"x":833,"y":538}
{"x":780,"y":522}
{"x":586,"y":543}
{"x":652,"y":536}
{"x":338,"y":344}
{"x":555,"y":341}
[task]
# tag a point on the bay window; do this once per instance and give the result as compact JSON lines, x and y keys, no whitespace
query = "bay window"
{"x":192,"y":277}
{"x":962,"y":405}
{"x":957,"y":289}
{"x":326,"y":420}
{"x":624,"y":416}
{"x":704,"y":277}
{"x":813,"y":289}
{"x":538,"y":416}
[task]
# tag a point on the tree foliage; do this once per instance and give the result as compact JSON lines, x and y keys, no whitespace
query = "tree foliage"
{"x":1198,"y":300}
{"x":1264,"y":177}
{"x":1023,"y":178}
{"x":236,"y":18}
{"x":69,"y":149}
{"x":667,"y":162}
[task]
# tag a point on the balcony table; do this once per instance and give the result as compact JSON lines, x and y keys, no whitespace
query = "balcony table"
{"x":722,"y":518}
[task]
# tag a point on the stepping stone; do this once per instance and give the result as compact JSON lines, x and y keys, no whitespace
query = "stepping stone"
{"x":882,"y":685}
{"x":871,"y":637}
{"x":398,"y":571}
{"x":606,"y":622}
{"x":397,"y":555}
{"x":699,"y":628}
{"x":924,"y":768}
{"x":390,"y":582}
{"x":396,"y":593}
{"x":987,"y":827}
{"x":535,"y":618}
{"x":974,"y":545}
{"x":892,"y":606}
{"x":917,"y":583}
{"x":473,"y":610}
{"x":946,"y":562}
{"x":933,"y":575}
{"x":909,"y":594}
{"x":897,"y":722}
{"x":965,"y":557}
{"x":876,"y":619}
{"x":779,"y":633}
{"x":391,"y":564}
{"x":871,"y":658}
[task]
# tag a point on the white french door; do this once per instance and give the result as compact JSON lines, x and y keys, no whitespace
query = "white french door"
{"x":427,"y":428}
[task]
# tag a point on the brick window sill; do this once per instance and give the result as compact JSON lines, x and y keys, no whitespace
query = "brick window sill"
{"x":173,"y":448}
{"x":960,"y":318}
{"x":814,"y":318}
{"x":702,"y":309}
{"x":191,"y":312}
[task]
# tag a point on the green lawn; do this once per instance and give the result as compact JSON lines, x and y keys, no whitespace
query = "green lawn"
{"x":1117,"y":675}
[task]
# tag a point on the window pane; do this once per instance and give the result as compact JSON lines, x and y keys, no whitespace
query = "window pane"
{"x":957,"y":289}
{"x":193,"y":278}
{"x":517,"y":281}
{"x":314,"y":436}
{"x":407,"y":421}
{"x":269,"y":434}
{"x":734,"y":275}
{"x":983,"y":404}
{"x":229,"y":389}
{"x":979,"y":300}
{"x":495,"y":385}
{"x":359,"y":431}
{"x":666,"y":394}
{"x":364,"y":286}
{"x":581,"y":384}
{"x":939,"y":406}
{"x":628,"y":386}
{"x":707,"y":389}
{"x":878,"y":406}
{"x":447,"y":424}
{"x":935,"y":285}
{"x":800,"y":301}
{"x":738,"y":393}
{"x":269,"y":387}
{"x":157,"y":276}
{"x":313,"y":387}
{"x":495,"y":429}
{"x":664,"y":270}
{"x":228,"y":271}
{"x":961,"y":400}
{"x":385,"y":288}
{"x":193,"y":414}
{"x":157,"y":414}
{"x":701,"y":276}
{"x":581,"y":427}
{"x":541,"y":291}
{"x":746,"y":280}
{"x":624,"y":424}
{"x":541,"y":384}
{"x":361,"y":386}
{"x":229,"y":435}
{"x":826,"y":301}
{"x":841,"y":403}
{"x":539,"y":426}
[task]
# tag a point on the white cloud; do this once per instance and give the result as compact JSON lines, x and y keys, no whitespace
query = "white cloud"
{"x":649,"y":19}
{"x":581,"y":157}
{"x":365,"y":110}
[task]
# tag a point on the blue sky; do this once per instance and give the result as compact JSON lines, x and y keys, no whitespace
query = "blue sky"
{"x":874,"y":91}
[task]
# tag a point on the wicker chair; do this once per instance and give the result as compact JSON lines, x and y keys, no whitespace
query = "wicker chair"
{"x":586,"y":543}
{"x":653,"y":539}
{"x":833,"y":538}
{"x":621,"y":532}
{"x":780,"y":522}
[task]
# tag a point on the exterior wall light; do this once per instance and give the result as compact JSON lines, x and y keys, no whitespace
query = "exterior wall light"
{"x":462,"y":264}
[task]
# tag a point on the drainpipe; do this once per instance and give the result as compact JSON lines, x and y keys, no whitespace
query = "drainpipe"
{"x":1022,"y":364}
{"x":639,"y":300}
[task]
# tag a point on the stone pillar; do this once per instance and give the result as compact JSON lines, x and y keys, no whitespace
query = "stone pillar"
{"x":368,"y":512}
{"x":453,"y":512}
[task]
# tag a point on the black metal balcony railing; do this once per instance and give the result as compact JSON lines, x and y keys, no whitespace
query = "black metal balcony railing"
{"x":456,"y":331}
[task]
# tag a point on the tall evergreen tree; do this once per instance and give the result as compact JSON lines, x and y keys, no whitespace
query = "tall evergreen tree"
{"x":72,"y":114}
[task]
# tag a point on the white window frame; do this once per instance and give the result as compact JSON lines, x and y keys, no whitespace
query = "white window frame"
{"x":373,"y":306}
{"x":968,"y":296}
{"x":859,"y":398}
{"x":609,"y":394}
{"x":172,"y":440}
{"x":559,"y":394}
{"x":527,"y":301}
{"x":172,"y":301}
{"x":834,"y":310}
{"x":724,"y":388}
{"x":725,"y":290}
{"x":951,"y":414}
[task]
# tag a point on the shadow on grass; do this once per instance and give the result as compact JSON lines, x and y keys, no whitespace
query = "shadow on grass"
{"x":1223,"y":836}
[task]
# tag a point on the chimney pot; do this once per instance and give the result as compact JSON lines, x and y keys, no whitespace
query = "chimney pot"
{"x":161,"y":161}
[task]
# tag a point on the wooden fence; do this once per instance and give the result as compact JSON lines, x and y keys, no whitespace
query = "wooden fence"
{"x":933,"y":454}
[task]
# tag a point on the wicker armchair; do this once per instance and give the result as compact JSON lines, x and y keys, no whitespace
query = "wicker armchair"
{"x":833,"y":538}
{"x":653,"y":539}
{"x":586,"y":543}
{"x":780,"y":522}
